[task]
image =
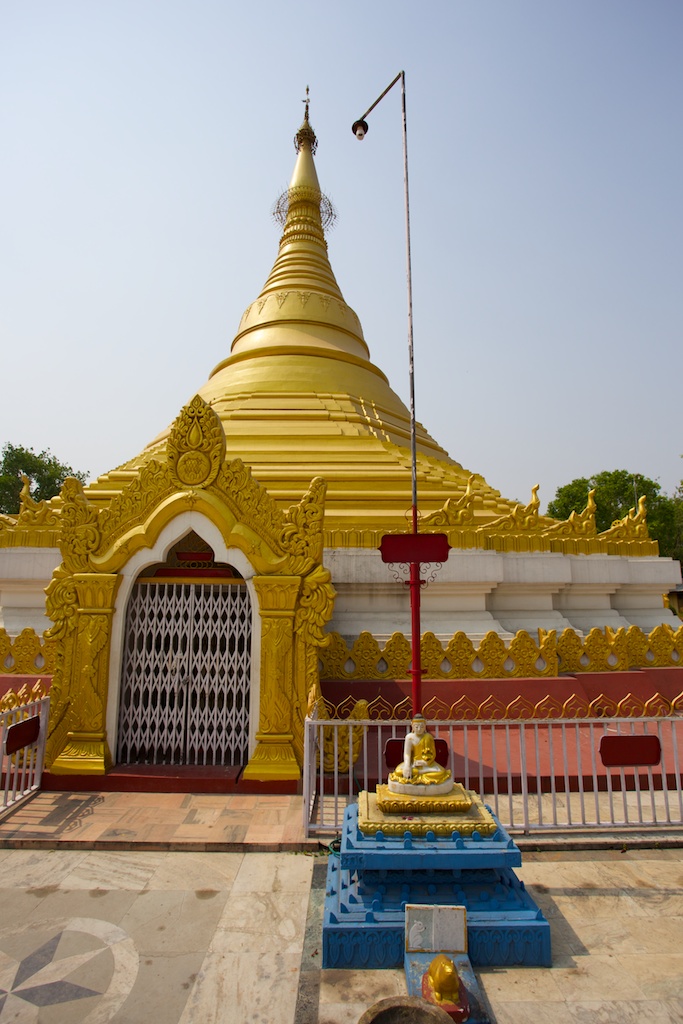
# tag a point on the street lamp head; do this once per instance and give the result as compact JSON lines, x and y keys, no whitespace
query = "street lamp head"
{"x":360,"y":129}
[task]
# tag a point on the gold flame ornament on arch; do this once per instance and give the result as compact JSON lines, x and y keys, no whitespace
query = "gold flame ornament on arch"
{"x":196,"y":445}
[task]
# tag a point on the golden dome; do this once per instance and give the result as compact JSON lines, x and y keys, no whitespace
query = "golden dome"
{"x":298,"y":396}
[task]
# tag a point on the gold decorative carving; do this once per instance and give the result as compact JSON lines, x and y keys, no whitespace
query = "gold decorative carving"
{"x":273,"y":759}
{"x":62,"y":607}
{"x":630,"y":533}
{"x":80,"y":533}
{"x":493,"y":654}
{"x":37,"y":523}
{"x":461,"y":656}
{"x":493,"y":709}
{"x":27,"y":654}
{"x":349,"y":740}
{"x":131,"y":508}
{"x":83,"y":754}
{"x":579,"y":524}
{"x":36,"y":513}
{"x":12,"y":699}
{"x":534,"y":659}
{"x":250,"y":499}
{"x":570,"y":652}
{"x":397,"y":652}
{"x":600,"y":651}
{"x":295,"y":593}
{"x":315,"y":607}
{"x":77,"y":741}
{"x":302,"y":535}
{"x":455,"y":512}
{"x":548,"y":707}
{"x":458,"y":801}
{"x":521,"y":519}
{"x":274,"y":740}
{"x":520,"y":708}
{"x":196,"y":445}
{"x":371,"y":819}
{"x":313,"y":612}
{"x":431,"y":655}
{"x":657,"y":706}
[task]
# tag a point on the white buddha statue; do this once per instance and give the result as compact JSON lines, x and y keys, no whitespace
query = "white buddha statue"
{"x":419,"y":771}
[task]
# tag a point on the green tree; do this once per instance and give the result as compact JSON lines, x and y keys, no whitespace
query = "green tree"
{"x":616,"y":492}
{"x":46,"y":475}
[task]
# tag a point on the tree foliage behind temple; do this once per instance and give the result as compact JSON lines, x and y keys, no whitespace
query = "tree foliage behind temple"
{"x":46,"y":475}
{"x":616,"y":492}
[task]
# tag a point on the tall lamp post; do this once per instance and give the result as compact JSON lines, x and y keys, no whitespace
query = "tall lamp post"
{"x":414,"y":548}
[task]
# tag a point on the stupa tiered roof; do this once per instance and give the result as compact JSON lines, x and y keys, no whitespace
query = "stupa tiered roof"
{"x":299,"y":396}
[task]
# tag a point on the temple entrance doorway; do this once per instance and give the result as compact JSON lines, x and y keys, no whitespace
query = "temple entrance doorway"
{"x":186,"y":664}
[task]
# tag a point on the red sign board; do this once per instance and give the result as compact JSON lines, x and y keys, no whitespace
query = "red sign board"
{"x":630,"y":751}
{"x":414,"y":547}
{"x":22,"y":734}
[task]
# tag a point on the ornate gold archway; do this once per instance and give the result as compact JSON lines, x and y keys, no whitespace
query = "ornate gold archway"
{"x":293,"y":589}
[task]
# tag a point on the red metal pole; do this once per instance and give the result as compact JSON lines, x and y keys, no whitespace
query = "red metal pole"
{"x":416,"y":666}
{"x":416,"y":629}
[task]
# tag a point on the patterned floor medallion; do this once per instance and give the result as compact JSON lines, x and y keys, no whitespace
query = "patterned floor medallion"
{"x":44,"y":965}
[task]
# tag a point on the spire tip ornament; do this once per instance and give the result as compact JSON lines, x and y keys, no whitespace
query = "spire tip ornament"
{"x":306,"y":135}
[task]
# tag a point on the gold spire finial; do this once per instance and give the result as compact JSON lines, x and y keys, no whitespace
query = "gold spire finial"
{"x":306,"y":135}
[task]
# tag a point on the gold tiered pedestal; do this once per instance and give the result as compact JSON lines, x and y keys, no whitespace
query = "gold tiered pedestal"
{"x":393,"y":814}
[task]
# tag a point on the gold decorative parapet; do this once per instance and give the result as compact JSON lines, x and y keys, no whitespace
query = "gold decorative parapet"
{"x":575,"y":706}
{"x":523,"y":529}
{"x":493,"y":709}
{"x":27,"y":654}
{"x":458,"y":659}
{"x":25,"y":695}
{"x":524,"y":657}
{"x":36,"y":525}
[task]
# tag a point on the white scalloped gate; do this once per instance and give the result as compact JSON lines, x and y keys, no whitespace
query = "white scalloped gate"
{"x":185,"y":675}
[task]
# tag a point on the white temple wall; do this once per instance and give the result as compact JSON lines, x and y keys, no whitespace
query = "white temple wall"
{"x":24,"y":574}
{"x":474,"y":591}
{"x":477,"y":591}
{"x":524,"y":598}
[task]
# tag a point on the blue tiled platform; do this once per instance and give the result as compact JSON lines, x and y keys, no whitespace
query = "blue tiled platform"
{"x":373,"y":878}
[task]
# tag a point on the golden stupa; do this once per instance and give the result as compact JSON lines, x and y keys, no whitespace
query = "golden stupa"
{"x":197,"y":595}
{"x":299,"y":397}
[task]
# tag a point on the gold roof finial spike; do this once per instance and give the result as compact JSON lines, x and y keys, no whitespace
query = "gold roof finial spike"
{"x":306,"y":135}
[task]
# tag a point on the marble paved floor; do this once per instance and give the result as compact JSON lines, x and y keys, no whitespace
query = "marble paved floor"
{"x":91,"y":933}
{"x":161,"y":821}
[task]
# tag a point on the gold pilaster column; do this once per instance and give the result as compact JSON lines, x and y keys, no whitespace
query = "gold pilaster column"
{"x":274,"y":756}
{"x":86,"y":750}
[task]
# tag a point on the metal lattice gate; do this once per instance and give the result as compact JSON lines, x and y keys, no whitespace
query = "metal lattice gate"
{"x":185,"y":675}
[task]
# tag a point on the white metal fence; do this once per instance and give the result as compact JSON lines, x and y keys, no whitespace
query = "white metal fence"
{"x":534,"y":774}
{"x":23,"y":732}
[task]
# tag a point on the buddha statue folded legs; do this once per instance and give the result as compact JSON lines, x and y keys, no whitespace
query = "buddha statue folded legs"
{"x":419,"y":770}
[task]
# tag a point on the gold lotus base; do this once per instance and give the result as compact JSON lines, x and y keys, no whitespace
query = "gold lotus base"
{"x":372,"y":819}
{"x":455,"y":802}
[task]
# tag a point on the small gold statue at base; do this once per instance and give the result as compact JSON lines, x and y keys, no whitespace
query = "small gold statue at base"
{"x":441,"y":986}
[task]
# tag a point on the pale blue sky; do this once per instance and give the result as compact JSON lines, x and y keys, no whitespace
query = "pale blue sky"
{"x":145,"y":141}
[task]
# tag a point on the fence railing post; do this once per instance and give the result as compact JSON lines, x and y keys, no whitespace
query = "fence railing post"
{"x":556,"y":762}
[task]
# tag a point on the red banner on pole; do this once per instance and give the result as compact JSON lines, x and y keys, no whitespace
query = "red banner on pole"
{"x":414,"y":547}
